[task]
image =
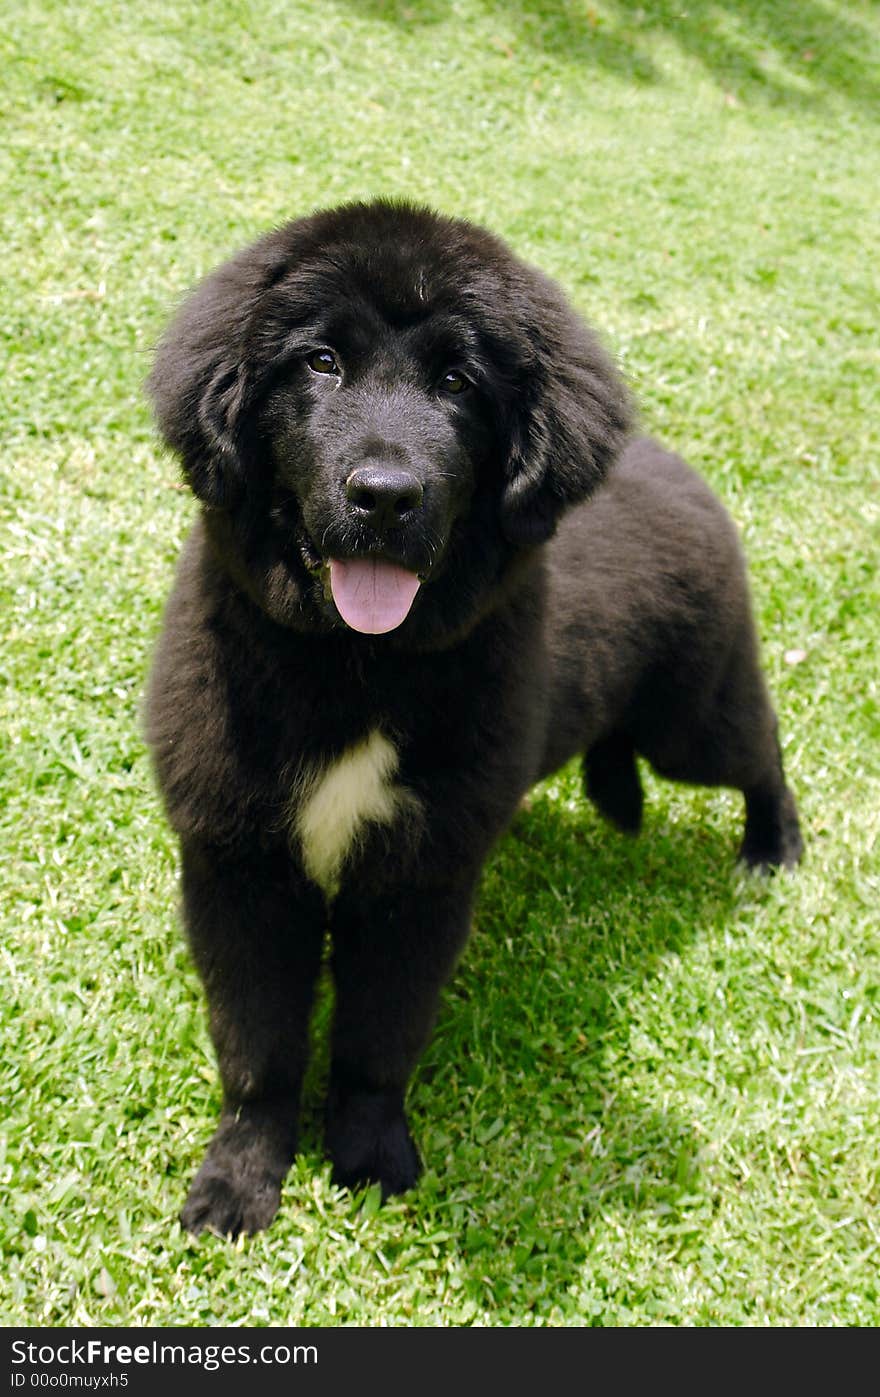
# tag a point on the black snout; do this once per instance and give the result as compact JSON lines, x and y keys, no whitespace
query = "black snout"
{"x":383,"y":494}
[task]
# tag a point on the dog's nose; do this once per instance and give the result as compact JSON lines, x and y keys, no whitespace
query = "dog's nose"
{"x":383,"y":494}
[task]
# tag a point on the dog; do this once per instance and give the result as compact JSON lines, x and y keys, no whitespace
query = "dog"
{"x":432,"y":564}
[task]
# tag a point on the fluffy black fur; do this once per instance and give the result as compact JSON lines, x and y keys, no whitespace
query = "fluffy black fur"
{"x":566,"y":607}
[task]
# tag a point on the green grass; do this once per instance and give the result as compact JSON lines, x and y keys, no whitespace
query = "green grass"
{"x":653,"y":1095}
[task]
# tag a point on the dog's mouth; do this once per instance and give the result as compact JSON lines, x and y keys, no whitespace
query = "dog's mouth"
{"x":371,"y":584}
{"x":372,"y":595}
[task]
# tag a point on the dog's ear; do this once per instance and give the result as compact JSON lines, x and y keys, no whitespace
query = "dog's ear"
{"x":569,"y":419}
{"x":215,"y":461}
{"x":204,"y":375}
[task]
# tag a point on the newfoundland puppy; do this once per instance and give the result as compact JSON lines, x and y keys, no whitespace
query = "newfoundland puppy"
{"x":429,"y":568}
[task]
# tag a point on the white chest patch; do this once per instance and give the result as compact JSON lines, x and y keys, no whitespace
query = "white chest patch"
{"x":334,"y":804}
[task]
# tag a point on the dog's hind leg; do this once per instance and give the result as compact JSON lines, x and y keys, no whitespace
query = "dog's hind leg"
{"x":731,"y":741}
{"x":611,"y":780}
{"x":772,"y":835}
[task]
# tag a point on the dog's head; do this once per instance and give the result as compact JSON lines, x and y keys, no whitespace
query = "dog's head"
{"x":380,"y":408}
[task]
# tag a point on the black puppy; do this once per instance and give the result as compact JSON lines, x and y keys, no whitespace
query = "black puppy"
{"x":379,"y":639}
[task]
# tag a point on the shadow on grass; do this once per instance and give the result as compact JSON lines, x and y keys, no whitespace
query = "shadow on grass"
{"x":535,"y":1041}
{"x":790,"y":51}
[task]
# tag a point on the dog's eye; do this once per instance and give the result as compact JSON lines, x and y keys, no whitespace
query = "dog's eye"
{"x":323,"y":361}
{"x":454,"y":382}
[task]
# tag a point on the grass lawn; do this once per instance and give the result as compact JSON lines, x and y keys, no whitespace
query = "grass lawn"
{"x":653,"y":1095}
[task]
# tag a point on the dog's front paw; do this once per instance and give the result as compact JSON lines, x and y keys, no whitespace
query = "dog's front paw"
{"x":227,"y":1205}
{"x":368,"y":1141}
{"x":238,"y":1188}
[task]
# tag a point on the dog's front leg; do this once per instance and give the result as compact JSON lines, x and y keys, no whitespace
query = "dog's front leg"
{"x":255,"y":928}
{"x":392,"y":953}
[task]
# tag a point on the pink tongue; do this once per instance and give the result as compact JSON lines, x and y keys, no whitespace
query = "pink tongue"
{"x":372,"y":596}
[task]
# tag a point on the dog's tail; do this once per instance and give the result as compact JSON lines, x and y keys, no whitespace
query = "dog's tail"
{"x":611,"y":780}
